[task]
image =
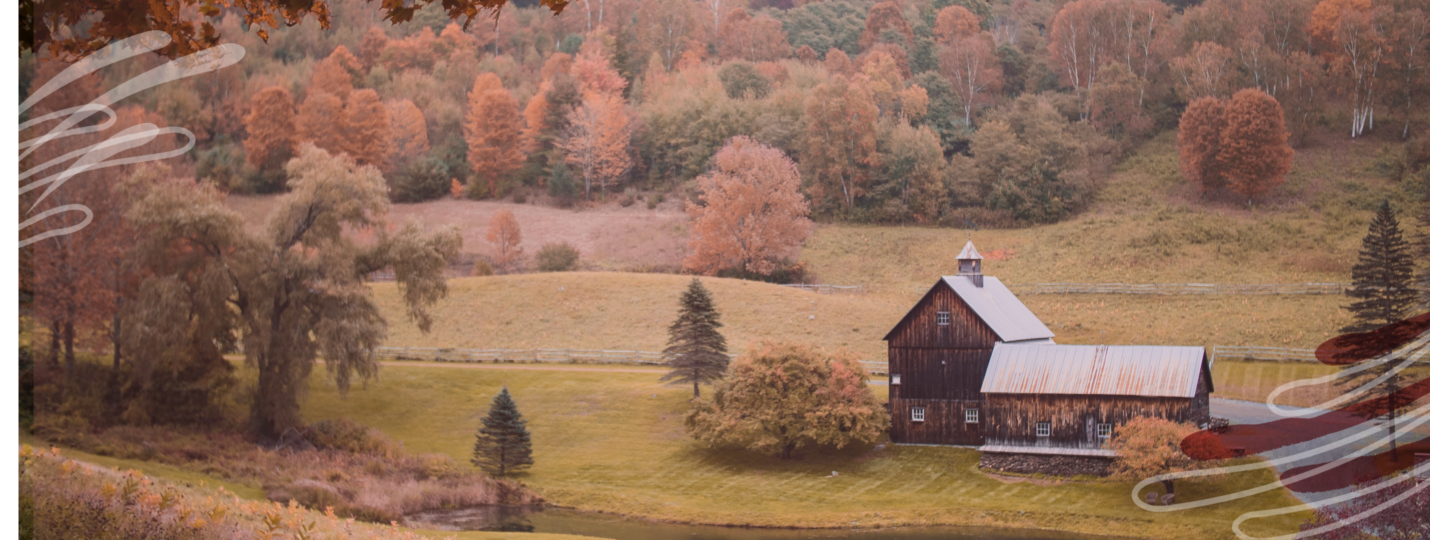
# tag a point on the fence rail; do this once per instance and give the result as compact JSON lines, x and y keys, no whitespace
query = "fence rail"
{"x":1181,"y":288}
{"x":1274,"y":354}
{"x":827,"y":289}
{"x":557,"y":356}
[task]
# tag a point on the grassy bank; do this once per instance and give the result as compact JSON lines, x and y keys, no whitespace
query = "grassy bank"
{"x":614,"y":442}
{"x":189,"y":497}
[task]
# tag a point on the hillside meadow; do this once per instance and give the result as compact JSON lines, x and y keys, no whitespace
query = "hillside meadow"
{"x":613,"y":441}
{"x":624,"y":311}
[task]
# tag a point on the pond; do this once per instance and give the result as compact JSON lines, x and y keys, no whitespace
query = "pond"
{"x":559,"y":521}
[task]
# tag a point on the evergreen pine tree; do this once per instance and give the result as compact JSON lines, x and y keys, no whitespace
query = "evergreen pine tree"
{"x":1382,"y":279}
{"x":696,"y":348}
{"x":503,"y":444}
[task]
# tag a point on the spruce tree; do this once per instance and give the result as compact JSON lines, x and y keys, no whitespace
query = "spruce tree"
{"x":1422,"y":241}
{"x":1382,"y":280}
{"x":503,"y":444}
{"x":696,"y":348}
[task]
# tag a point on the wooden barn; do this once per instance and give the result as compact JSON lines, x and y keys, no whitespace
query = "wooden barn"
{"x":970,"y":365}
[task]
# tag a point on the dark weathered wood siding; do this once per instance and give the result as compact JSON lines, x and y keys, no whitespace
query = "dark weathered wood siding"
{"x":1012,"y":418}
{"x":943,"y":422}
{"x":941,"y":369}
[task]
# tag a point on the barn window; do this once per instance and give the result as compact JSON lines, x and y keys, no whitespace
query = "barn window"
{"x":943,"y":318}
{"x":918,"y":415}
{"x":894,"y":379}
{"x":1045,"y":429}
{"x":1104,"y":431}
{"x":970,"y":416}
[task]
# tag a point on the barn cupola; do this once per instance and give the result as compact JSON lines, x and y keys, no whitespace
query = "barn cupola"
{"x":970,"y":264}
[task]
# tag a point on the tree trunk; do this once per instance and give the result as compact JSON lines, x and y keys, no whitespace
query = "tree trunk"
{"x":1394,"y":451}
{"x":69,"y":348}
{"x":261,"y":421}
{"x":787,"y":450}
{"x":114,"y":389}
{"x":697,"y":388}
{"x":54,"y":343}
{"x":1168,"y":484}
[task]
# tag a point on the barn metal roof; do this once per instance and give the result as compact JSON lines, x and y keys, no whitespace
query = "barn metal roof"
{"x":969,"y":252}
{"x":999,"y":309}
{"x":1109,"y":370}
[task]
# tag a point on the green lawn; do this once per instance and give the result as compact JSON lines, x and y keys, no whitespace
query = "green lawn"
{"x":615,"y":442}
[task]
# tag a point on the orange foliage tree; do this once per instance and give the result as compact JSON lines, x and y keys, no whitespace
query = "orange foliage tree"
{"x":969,"y":63}
{"x":757,"y":39}
{"x":1079,"y":43}
{"x":1148,"y":447}
{"x":593,"y":68}
{"x":334,"y":74}
{"x":806,"y":54}
{"x":322,"y":120}
{"x":369,"y":137}
{"x":271,"y":132}
{"x":667,"y":28}
{"x":193,"y":23}
{"x":840,"y":141}
{"x":750,"y":215}
{"x":505,"y":235}
{"x":1360,"y":42}
{"x":494,"y":134}
{"x":1327,"y":15}
{"x":371,"y":46}
{"x":885,"y":15}
{"x":409,"y":131}
{"x":1254,"y":154}
{"x":1206,"y":72}
{"x":598,"y":140}
{"x":1199,"y":143}
{"x":837,"y":63}
{"x":779,"y":397}
{"x":954,"y":23}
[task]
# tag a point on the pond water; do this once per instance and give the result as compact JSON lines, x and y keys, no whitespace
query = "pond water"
{"x":558,"y":521}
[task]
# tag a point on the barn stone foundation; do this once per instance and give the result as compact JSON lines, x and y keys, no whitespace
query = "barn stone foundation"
{"x":1046,"y":464}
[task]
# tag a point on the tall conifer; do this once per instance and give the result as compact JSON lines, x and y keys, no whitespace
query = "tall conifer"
{"x":1422,"y":242}
{"x":696,"y":347}
{"x":1383,"y":277}
{"x":503,"y":444}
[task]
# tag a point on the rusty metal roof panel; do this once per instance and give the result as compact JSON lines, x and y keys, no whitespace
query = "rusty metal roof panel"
{"x":999,"y":309}
{"x":1110,"y":370}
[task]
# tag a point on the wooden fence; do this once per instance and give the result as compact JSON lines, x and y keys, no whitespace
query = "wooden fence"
{"x":1180,"y":288}
{"x":827,"y":289}
{"x":1273,"y":354}
{"x":559,"y":356}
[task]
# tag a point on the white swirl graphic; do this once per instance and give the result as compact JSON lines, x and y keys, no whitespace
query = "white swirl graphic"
{"x":101,"y":155}
{"x":1407,"y":354}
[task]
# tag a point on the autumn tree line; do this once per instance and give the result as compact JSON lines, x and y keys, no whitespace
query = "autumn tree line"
{"x":925,"y":111}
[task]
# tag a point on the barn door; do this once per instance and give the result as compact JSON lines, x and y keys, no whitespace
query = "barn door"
{"x":1091,"y":432}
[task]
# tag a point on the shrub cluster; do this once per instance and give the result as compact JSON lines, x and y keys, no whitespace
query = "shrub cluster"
{"x":558,"y":257}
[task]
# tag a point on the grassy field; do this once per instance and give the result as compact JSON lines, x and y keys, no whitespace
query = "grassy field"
{"x":1147,"y":226}
{"x":614,"y":442}
{"x":632,"y":311}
